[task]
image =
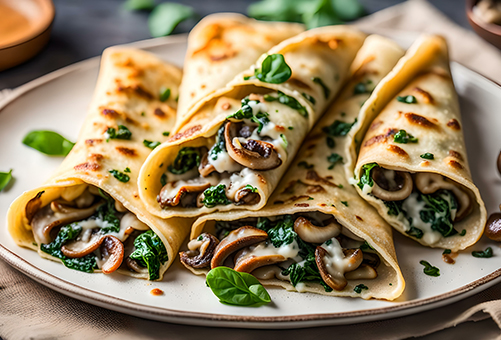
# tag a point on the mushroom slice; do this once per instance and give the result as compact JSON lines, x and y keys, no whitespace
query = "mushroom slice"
{"x":112,"y":250}
{"x":80,"y":248}
{"x":130,"y":220}
{"x":56,"y":214}
{"x":493,"y":227}
{"x":237,"y":239}
{"x":171,"y":196}
{"x":428,"y":183}
{"x":33,"y":206}
{"x":134,"y":266}
{"x":371,"y":259}
{"x":205,"y":168}
{"x":334,"y":262}
{"x":311,"y":233}
{"x":246,"y":261}
{"x":253,"y":154}
{"x":246,"y":196}
{"x":364,"y":272}
{"x":391,"y":185}
{"x":201,"y":250}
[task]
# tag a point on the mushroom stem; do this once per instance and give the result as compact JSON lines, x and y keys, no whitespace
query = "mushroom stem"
{"x":311,"y":233}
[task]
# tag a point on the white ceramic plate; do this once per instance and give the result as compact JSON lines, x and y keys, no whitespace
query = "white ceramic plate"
{"x":58,"y":102}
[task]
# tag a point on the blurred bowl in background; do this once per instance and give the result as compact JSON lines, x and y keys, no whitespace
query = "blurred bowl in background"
{"x":24,"y":29}
{"x":488,"y":31}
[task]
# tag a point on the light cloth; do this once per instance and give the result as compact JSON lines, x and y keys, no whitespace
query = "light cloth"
{"x":29,"y":310}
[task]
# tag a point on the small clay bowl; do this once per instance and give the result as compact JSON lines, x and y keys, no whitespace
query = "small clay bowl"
{"x":24,"y":29}
{"x":490,"y":32}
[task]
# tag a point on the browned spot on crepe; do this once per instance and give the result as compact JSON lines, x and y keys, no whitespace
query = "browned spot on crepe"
{"x":159,"y":113}
{"x":312,"y":189}
{"x":359,"y":218}
{"x":380,"y":138}
{"x":398,"y":150}
{"x":93,"y":141}
{"x":375,"y":124}
{"x":185,"y":134}
{"x":136,"y":89}
{"x":455,"y":154}
{"x":126,"y":151}
{"x":109,"y":113}
{"x":454,"y":124}
{"x":425,"y":96}
{"x":87,"y":167}
{"x":419,"y":120}
{"x":301,"y":205}
{"x":313,"y":176}
{"x":226,"y":106}
{"x":95,"y":157}
{"x":455,"y":165}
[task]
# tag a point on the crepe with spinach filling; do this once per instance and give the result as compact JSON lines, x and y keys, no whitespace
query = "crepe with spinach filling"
{"x":412,"y":164}
{"x":88,"y":214}
{"x":316,"y":234}
{"x":232,"y":152}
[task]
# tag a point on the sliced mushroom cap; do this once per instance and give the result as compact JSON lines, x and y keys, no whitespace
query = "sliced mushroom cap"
{"x":493,"y":227}
{"x":311,"y":233}
{"x":330,"y":271}
{"x":134,"y":266}
{"x":390,"y":185}
{"x":205,"y":168}
{"x":236,"y":240}
{"x":56,"y":214}
{"x":428,"y":183}
{"x":246,"y":261}
{"x":253,"y":154}
{"x":201,"y":251}
{"x":364,"y":272}
{"x":371,"y":259}
{"x":112,"y":250}
{"x":81,"y":248}
{"x":246,"y":196}
{"x":33,"y":206}
{"x":130,"y":220}
{"x":170,"y":196}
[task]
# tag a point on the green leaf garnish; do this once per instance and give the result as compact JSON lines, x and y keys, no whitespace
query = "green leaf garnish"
{"x":164,"y":94}
{"x":186,"y":159}
{"x":366,"y":177}
{"x":289,"y":101}
{"x":427,"y":156}
{"x":305,"y":165}
{"x":150,"y":252}
{"x":344,"y":203}
{"x":250,"y":188}
{"x":333,"y":159}
{"x":274,"y":70}
{"x":127,"y":169}
{"x":150,"y":144}
{"x":48,"y":142}
{"x":166,"y":16}
{"x":326,"y":90}
{"x":166,"y":133}
{"x":358,"y":289}
{"x":163,"y":180}
{"x":309,"y":98}
{"x":235,"y":288}
{"x":446,"y":251}
{"x":483,"y":254}
{"x":403,"y":137}
{"x":139,"y":5}
{"x":122,"y":133}
{"x":215,"y":195}
{"x":5,"y":178}
{"x":429,"y":269}
{"x":407,"y":99}
{"x":124,"y":178}
{"x":338,"y":128}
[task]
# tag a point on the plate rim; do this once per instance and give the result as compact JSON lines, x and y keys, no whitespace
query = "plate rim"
{"x":217,"y":320}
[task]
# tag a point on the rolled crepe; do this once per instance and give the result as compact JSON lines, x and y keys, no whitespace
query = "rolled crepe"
{"x":88,"y":215}
{"x":412,"y":164}
{"x":315,"y":217}
{"x":221,"y":46}
{"x":234,"y":150}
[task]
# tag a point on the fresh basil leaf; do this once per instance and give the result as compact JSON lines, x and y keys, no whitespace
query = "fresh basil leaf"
{"x":429,"y":269}
{"x":322,"y":14}
{"x":5,"y":178}
{"x":164,"y":94}
{"x":215,"y":195}
{"x":122,"y":133}
{"x":186,"y":159}
{"x":326,"y":90}
{"x":483,"y":254}
{"x":139,"y":5}
{"x":334,"y":158}
{"x":166,"y":16}
{"x":150,"y":144}
{"x":274,"y":70}
{"x":276,"y":10}
{"x":150,"y":252}
{"x":48,"y":142}
{"x":366,"y":178}
{"x":166,"y":133}
{"x":358,"y":289}
{"x":124,"y":178}
{"x":403,"y":137}
{"x":338,"y":128}
{"x":407,"y":99}
{"x":235,"y":288}
{"x":427,"y":156}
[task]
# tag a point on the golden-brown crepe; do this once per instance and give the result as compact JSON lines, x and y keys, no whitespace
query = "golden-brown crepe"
{"x":92,"y":198}
{"x":412,"y":164}
{"x":221,"y":46}
{"x":233,"y":151}
{"x":335,"y":229}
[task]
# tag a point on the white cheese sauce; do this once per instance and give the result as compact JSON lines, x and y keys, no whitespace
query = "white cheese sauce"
{"x":412,"y":206}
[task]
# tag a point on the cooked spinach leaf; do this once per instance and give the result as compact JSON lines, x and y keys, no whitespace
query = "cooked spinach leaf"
{"x":245,"y":112}
{"x":326,"y":90}
{"x":122,"y":133}
{"x":403,"y":137}
{"x":150,"y":144}
{"x":415,"y":232}
{"x":394,"y":207}
{"x":274,"y":70}
{"x":334,"y":158}
{"x":261,"y":119}
{"x":108,"y":214}
{"x":150,"y":252}
{"x":366,"y":178}
{"x":330,"y":142}
{"x":220,"y":144}
{"x":48,"y":142}
{"x":284,"y":140}
{"x":483,"y":254}
{"x":289,"y":101}
{"x":164,"y":94}
{"x":5,"y":178}
{"x":358,"y":289}
{"x":429,"y":269}
{"x":338,"y":128}
{"x":250,"y":188}
{"x":427,"y":156}
{"x":439,"y":210}
{"x":446,"y":251}
{"x":283,"y":232}
{"x":362,"y":87}
{"x":344,"y":203}
{"x":215,"y":195}
{"x":187,"y":159}
{"x":407,"y":99}
{"x":119,"y":175}
{"x":309,"y":98}
{"x":235,"y":288}
{"x":68,"y":233}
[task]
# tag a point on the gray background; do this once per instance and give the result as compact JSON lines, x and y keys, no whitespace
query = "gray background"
{"x":84,"y":28}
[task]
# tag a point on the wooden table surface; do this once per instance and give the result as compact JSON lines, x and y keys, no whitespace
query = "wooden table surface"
{"x":84,"y":28}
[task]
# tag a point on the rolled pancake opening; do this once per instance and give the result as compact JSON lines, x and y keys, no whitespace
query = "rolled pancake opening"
{"x":412,"y":164}
{"x":233,"y":151}
{"x":316,"y":234}
{"x":88,"y":215}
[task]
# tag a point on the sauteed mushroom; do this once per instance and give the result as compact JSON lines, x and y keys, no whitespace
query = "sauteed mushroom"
{"x":134,"y":266}
{"x":311,"y":233}
{"x":390,"y":185}
{"x":200,"y":251}
{"x":246,"y":261}
{"x":112,"y":250}
{"x":205,"y":168}
{"x":237,"y":239}
{"x":364,"y":272}
{"x":166,"y":200}
{"x":246,"y":196}
{"x":253,"y":154}
{"x":493,"y":227}
{"x":428,"y":183}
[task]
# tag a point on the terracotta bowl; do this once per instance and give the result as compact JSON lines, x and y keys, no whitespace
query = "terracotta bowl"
{"x":490,"y":32}
{"x":24,"y":29}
